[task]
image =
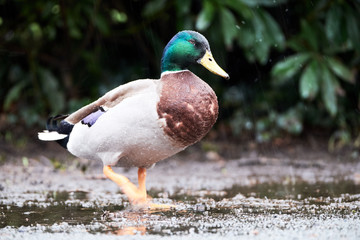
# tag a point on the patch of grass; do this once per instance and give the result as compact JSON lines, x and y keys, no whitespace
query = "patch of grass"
{"x":58,"y":165}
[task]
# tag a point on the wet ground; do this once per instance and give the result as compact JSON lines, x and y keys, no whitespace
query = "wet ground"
{"x":250,"y":197}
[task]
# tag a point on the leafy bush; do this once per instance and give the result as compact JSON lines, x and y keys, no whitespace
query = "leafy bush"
{"x":292,"y":64}
{"x":325,"y":58}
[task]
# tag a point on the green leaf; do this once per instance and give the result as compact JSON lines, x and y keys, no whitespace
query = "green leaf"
{"x":287,"y":68}
{"x":259,"y":27}
{"x":328,"y":90}
{"x":245,"y":37}
{"x":255,"y":3}
{"x":273,"y":30}
{"x":296,"y":44}
{"x":101,"y":24}
{"x":228,"y":24}
{"x":153,"y":7}
{"x":74,"y":26}
{"x":205,"y":17}
{"x":310,"y":34}
{"x":309,"y":82}
{"x":353,"y":28}
{"x":183,"y":7}
{"x":14,"y":94}
{"x":50,"y":86}
{"x":240,"y":8}
{"x":266,"y":33}
{"x":261,"y":51}
{"x":263,"y":41}
{"x":333,"y":24}
{"x":117,"y":16}
{"x":340,"y":70}
{"x":35,"y":30}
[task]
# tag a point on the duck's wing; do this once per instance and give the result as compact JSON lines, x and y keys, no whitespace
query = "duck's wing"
{"x":92,"y":111}
{"x":60,"y":127}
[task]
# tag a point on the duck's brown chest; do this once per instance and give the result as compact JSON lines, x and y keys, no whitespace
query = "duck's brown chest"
{"x":189,"y":107}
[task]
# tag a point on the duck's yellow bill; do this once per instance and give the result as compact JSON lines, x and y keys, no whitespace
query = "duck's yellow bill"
{"x":209,"y":63}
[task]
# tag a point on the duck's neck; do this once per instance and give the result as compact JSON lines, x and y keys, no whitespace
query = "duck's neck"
{"x":168,"y":63}
{"x":174,"y":59}
{"x":172,"y":72}
{"x":170,"y":68}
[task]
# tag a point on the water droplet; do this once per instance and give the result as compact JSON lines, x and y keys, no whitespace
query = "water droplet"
{"x":237,"y":26}
{"x":286,"y":10}
{"x":243,"y":22}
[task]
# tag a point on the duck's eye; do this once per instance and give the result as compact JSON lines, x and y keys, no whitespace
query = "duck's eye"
{"x":192,"y":41}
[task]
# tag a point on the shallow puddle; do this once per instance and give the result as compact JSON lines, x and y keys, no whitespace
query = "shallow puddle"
{"x":239,"y":210}
{"x":299,"y":190}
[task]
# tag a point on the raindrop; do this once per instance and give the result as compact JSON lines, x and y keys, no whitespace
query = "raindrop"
{"x":243,"y":22}
{"x":286,"y":10}
{"x":237,"y":26}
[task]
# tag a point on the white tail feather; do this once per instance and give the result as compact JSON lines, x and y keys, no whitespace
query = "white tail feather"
{"x":50,"y":136}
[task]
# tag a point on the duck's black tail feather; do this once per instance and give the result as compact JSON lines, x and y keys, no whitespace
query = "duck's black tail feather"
{"x":58,"y":125}
{"x":57,"y":130}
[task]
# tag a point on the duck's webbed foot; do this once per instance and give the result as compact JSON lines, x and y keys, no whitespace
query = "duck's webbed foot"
{"x":137,"y":195}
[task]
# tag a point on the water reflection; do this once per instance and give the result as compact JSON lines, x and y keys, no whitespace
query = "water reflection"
{"x":141,"y":230}
{"x":132,"y":222}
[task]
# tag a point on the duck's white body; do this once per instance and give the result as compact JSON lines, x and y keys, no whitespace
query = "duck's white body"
{"x":130,"y":134}
{"x":145,"y":121}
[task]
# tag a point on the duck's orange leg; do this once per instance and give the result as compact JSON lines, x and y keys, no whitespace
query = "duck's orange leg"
{"x":142,"y":182}
{"x":136,"y":195}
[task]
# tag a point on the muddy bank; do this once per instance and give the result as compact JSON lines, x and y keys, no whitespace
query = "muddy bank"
{"x":177,"y":173}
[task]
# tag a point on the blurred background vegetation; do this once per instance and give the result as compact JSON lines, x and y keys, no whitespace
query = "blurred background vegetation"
{"x":294,"y":65}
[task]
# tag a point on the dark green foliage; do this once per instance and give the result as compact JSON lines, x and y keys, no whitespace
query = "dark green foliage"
{"x":293,"y":64}
{"x":325,"y":61}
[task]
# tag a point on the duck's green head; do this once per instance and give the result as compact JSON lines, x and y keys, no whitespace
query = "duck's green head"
{"x":187,"y":48}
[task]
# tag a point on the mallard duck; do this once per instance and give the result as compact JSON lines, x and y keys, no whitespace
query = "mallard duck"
{"x":144,"y":121}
